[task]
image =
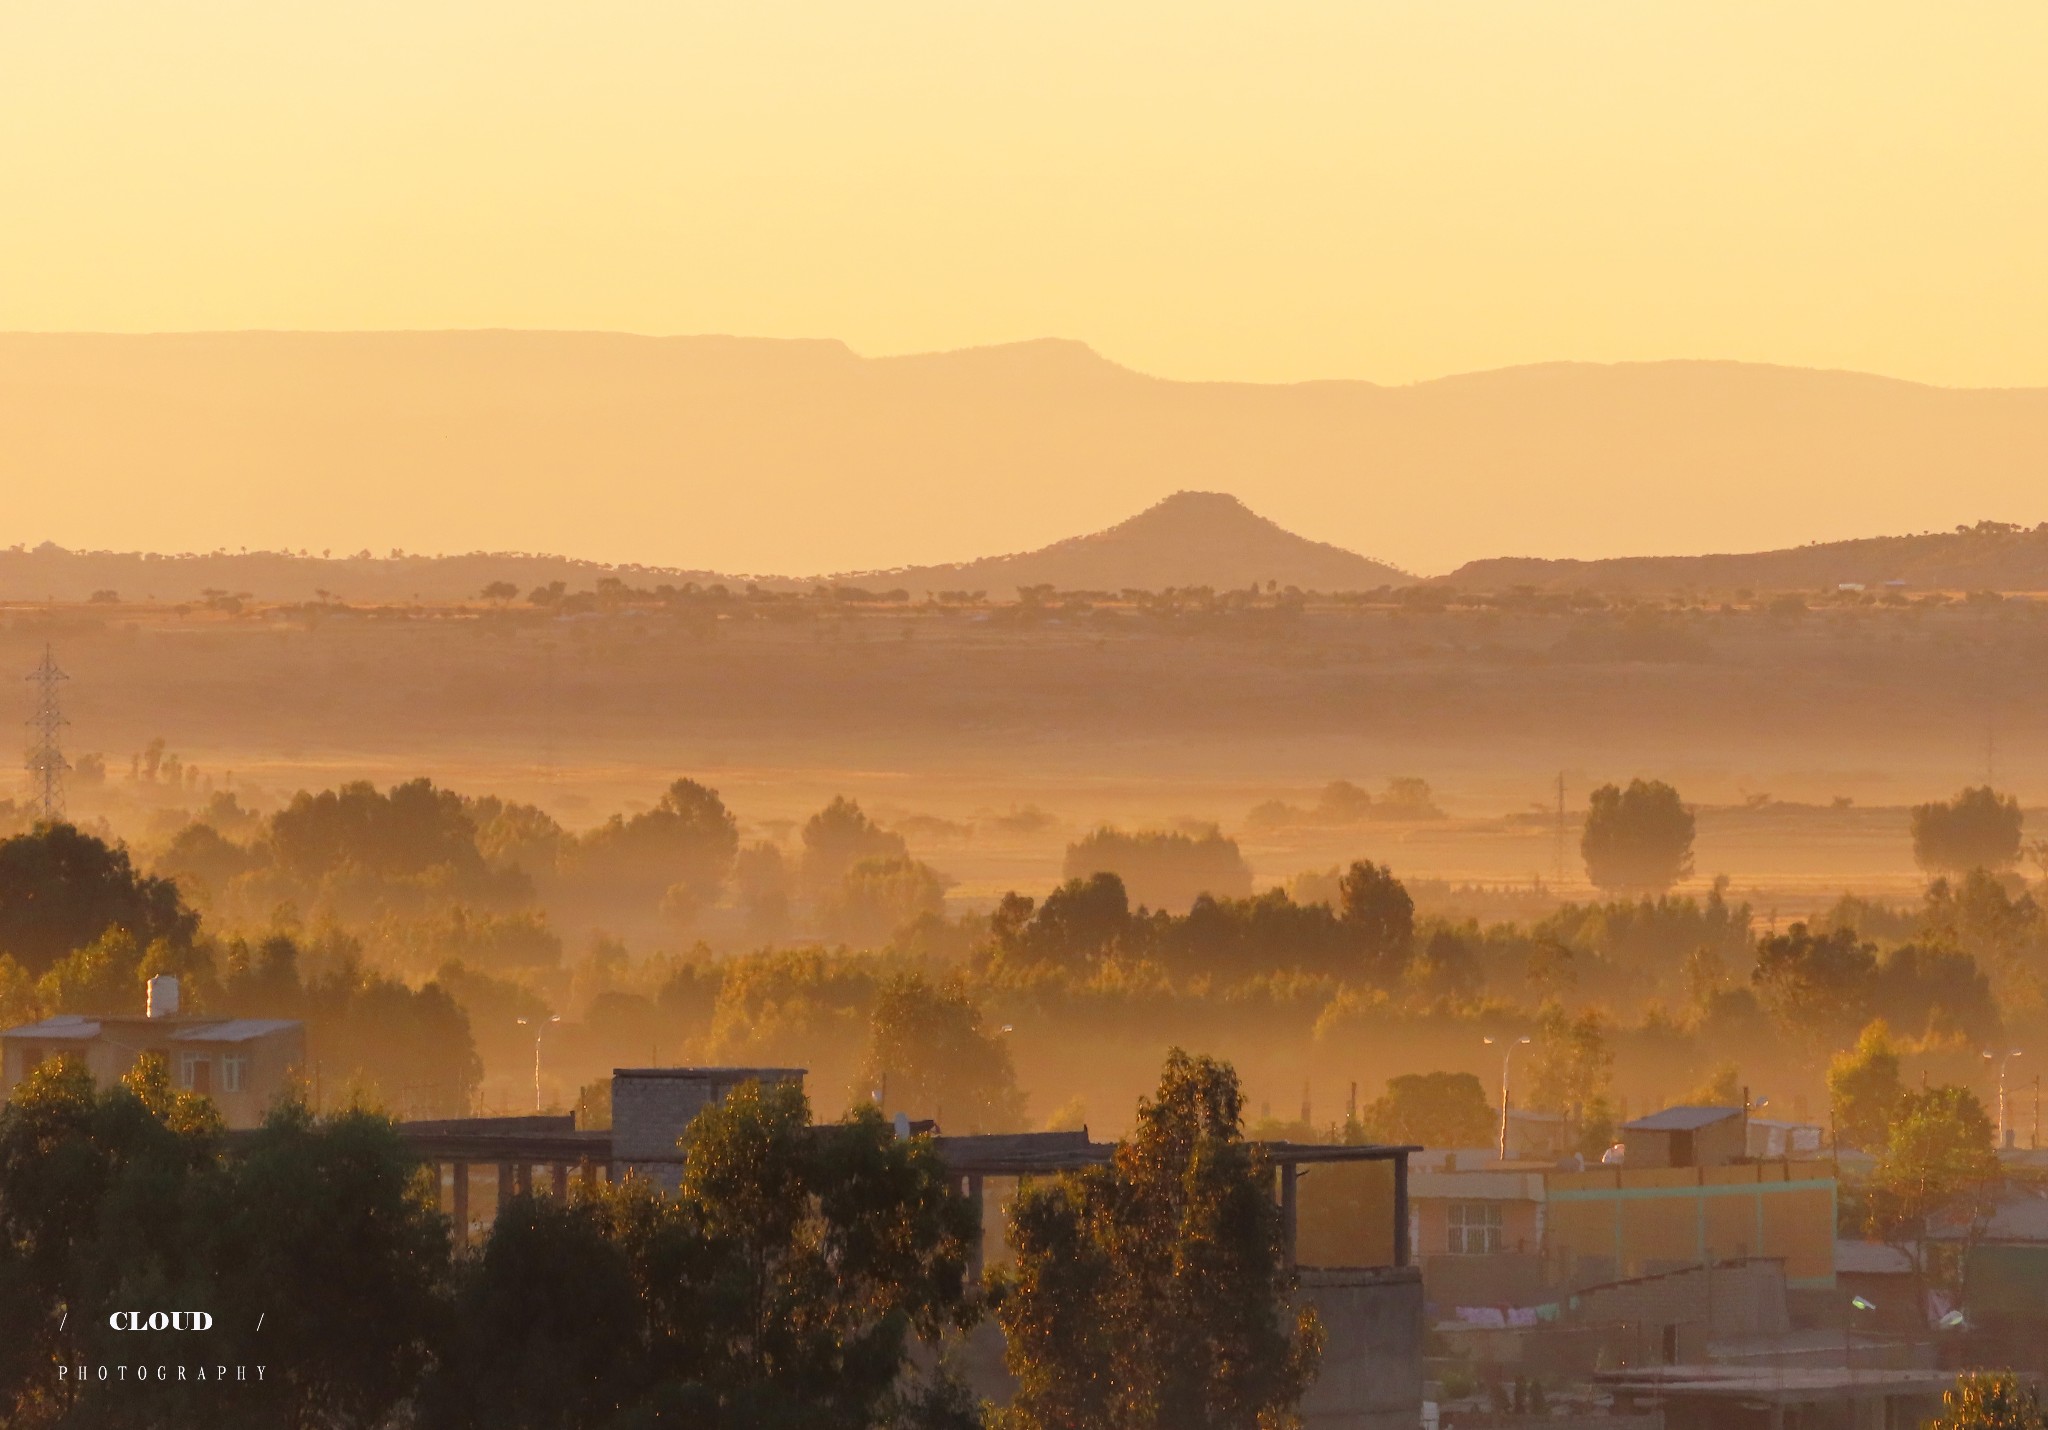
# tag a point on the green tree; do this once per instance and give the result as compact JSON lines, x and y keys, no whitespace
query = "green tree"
{"x":927,"y":1047}
{"x":332,"y":1236}
{"x":1438,"y":1109}
{"x":1864,"y":1089}
{"x":1989,"y":1400}
{"x":1938,"y":1158}
{"x":549,"y":1332}
{"x":827,"y":1250}
{"x":679,"y":853}
{"x":1164,"y":869}
{"x":1817,"y":985}
{"x":1979,"y":828}
{"x":838,"y":837}
{"x":1082,"y":922}
{"x":1572,"y":1063}
{"x":62,"y":889}
{"x":876,"y":898}
{"x":104,"y":1195}
{"x":1150,"y":1292}
{"x":1638,"y":839}
{"x":1376,"y":909}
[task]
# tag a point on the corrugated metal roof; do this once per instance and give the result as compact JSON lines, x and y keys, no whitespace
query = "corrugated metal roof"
{"x":2019,"y":1216}
{"x":1681,"y":1119}
{"x":64,"y":1025}
{"x":234,"y":1030}
{"x":1870,"y":1258}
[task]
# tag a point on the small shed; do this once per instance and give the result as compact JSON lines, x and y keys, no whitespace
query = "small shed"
{"x":1685,"y":1137}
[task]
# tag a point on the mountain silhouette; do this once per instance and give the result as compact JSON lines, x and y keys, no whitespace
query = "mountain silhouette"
{"x":754,"y":455}
{"x":1982,"y":556}
{"x":1189,"y":539}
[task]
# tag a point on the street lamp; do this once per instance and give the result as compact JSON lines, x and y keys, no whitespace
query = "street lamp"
{"x":1510,"y":1044}
{"x":2002,"y":1061}
{"x":539,"y":1026}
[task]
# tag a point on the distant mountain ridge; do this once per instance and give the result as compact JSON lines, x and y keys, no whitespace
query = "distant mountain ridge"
{"x":1188,"y":539}
{"x":1987,"y":556}
{"x":741,"y":454}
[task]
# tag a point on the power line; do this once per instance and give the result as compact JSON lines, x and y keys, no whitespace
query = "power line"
{"x":1559,"y":846}
{"x":46,"y":762}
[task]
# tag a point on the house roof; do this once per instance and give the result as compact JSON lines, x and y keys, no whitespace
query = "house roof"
{"x":63,"y":1025}
{"x":1681,"y":1119}
{"x":234,"y":1030}
{"x":2020,"y":1216}
{"x":714,"y":1074}
{"x":74,"y":1027}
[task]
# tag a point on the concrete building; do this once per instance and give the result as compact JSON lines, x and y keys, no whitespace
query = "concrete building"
{"x":1344,"y":1210}
{"x":1689,"y":1315}
{"x":1477,"y":1229}
{"x":1769,"y":1137}
{"x":1615,"y":1223}
{"x":653,"y":1107}
{"x":243,"y":1064}
{"x":1686,"y":1137}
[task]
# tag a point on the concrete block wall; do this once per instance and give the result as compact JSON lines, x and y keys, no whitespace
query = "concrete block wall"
{"x":653,"y":1107}
{"x":1371,"y":1376}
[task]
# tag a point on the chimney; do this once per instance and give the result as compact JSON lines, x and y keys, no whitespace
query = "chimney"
{"x":163,"y":996}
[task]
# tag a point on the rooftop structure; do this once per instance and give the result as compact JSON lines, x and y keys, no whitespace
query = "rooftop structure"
{"x":243,"y":1064}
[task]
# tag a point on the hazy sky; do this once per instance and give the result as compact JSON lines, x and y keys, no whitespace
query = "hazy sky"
{"x":1389,"y":189}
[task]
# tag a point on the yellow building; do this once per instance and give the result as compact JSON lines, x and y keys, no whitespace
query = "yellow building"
{"x":1614,"y":1223}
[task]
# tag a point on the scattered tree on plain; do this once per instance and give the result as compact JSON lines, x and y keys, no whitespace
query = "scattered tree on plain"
{"x":1978,"y":829}
{"x":1637,"y":840}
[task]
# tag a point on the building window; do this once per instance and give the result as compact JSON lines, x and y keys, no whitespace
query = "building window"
{"x":234,"y":1072}
{"x":195,"y":1073}
{"x":1475,"y":1228}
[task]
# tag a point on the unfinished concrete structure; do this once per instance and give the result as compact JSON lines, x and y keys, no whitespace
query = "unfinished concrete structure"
{"x":653,"y":1107}
{"x":1344,"y":1210}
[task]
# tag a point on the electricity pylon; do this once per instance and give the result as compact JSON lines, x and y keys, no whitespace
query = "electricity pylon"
{"x":46,"y":762}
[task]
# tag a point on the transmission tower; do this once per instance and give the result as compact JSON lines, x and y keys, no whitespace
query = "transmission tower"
{"x":46,"y":762}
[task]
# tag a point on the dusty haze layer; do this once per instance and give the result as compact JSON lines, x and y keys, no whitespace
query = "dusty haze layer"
{"x":746,"y":455}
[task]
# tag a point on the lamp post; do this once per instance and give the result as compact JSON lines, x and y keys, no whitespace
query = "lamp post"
{"x":2002,"y":1061}
{"x":1510,"y":1044}
{"x":539,"y":1026}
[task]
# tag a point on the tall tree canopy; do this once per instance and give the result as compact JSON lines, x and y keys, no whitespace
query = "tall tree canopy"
{"x":1164,"y":869}
{"x":1150,"y":1293}
{"x":1437,"y":1109}
{"x":930,"y":1056}
{"x":61,"y":889}
{"x":782,"y":1285}
{"x":1638,"y":839}
{"x":322,"y":1232}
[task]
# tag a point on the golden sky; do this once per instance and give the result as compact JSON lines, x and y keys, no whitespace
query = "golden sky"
{"x":1388,"y":189}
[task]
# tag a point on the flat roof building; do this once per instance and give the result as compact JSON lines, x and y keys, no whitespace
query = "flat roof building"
{"x":243,"y":1064}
